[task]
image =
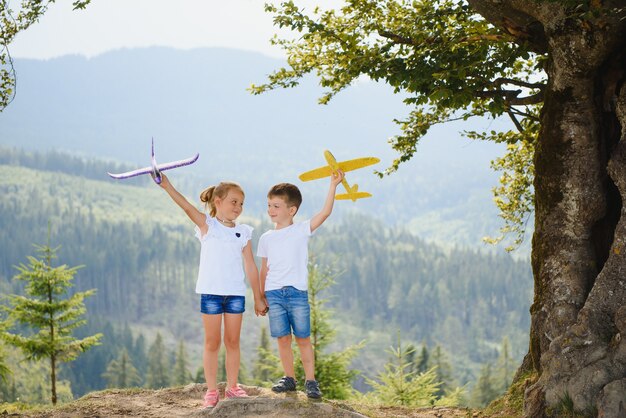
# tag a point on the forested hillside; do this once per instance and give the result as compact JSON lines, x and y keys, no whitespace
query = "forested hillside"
{"x":139,"y":252}
{"x":443,"y":194}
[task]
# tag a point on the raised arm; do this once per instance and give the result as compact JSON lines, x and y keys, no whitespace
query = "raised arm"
{"x":320,"y":217}
{"x":192,"y":212}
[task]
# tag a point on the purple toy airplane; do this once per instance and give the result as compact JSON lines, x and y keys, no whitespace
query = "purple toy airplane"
{"x":155,"y":170}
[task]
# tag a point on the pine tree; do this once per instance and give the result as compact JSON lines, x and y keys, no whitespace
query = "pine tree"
{"x":139,"y":356}
{"x":331,"y":369}
{"x":505,"y":368}
{"x":267,"y":365}
{"x":423,"y":360}
{"x":181,"y":370}
{"x":485,"y":390}
{"x":221,"y":366}
{"x":6,"y":380}
{"x":50,"y":314}
{"x":5,"y":372}
{"x":443,"y":370}
{"x":121,"y":373}
{"x":158,"y":367}
{"x":397,"y":386}
{"x":199,"y":375}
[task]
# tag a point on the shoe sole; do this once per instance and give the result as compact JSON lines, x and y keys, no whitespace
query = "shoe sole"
{"x":283,"y":390}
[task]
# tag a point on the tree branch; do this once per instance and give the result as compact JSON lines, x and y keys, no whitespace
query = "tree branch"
{"x":399,"y":39}
{"x":498,"y":82}
{"x":515,"y":121}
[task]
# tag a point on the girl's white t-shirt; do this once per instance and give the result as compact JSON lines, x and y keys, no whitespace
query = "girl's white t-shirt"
{"x":287,"y":256}
{"x":221,"y":262}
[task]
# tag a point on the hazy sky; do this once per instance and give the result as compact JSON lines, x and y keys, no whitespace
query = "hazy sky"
{"x":113,"y":24}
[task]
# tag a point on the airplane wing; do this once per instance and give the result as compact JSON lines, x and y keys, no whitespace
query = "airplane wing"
{"x":318,"y":173}
{"x":138,"y":172}
{"x":180,"y":163}
{"x":350,"y":165}
{"x":352,"y":196}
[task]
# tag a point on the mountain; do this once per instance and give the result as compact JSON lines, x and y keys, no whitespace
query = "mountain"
{"x":109,"y":106}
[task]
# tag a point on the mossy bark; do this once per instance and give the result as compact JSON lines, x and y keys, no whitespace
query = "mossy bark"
{"x":579,"y":243}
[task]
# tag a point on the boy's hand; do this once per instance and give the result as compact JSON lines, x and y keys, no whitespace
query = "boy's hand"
{"x":164,"y":181}
{"x":336,"y":178}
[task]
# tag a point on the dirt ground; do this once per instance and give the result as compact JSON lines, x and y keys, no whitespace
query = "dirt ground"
{"x":187,"y":401}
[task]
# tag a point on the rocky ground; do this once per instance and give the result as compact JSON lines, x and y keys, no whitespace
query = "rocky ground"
{"x":186,"y":402}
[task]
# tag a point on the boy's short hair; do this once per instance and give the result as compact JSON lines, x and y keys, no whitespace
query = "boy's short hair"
{"x":289,"y":192}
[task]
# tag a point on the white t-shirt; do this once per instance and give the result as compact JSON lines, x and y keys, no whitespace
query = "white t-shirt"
{"x":287,"y":256}
{"x":221,"y":262}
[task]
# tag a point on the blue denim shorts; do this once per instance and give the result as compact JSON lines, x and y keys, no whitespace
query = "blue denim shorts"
{"x":289,"y":310}
{"x":218,"y":304}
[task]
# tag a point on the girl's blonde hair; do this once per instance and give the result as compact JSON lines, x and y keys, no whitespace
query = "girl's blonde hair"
{"x":221,"y":190}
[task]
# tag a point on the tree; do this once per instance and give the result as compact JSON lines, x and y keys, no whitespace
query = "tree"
{"x":397,"y":385}
{"x":423,"y":361}
{"x":443,"y":370}
{"x":267,"y":365}
{"x":505,"y":367}
{"x":13,"y":22}
{"x":555,"y":67}
{"x":181,"y":370}
{"x":332,"y":370}
{"x":138,"y":355}
{"x":158,"y":367}
{"x":221,"y":368}
{"x":50,"y":314}
{"x":5,"y":372}
{"x":121,"y":373}
{"x":485,"y":390}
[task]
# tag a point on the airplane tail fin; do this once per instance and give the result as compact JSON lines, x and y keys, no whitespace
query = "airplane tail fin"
{"x":353,"y":194}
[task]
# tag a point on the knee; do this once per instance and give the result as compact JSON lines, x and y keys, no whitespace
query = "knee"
{"x":231,"y":343}
{"x":303,"y":342}
{"x":212,"y":343}
{"x":285,"y":341}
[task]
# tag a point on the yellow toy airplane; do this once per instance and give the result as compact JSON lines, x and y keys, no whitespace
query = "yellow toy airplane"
{"x":333,"y":165}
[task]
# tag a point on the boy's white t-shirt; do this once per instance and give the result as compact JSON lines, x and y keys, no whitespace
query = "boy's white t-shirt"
{"x":287,"y":256}
{"x":221,"y":262}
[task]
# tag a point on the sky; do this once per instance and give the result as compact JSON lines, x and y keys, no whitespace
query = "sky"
{"x":107,"y":25}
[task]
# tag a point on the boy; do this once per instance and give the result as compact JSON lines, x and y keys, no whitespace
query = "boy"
{"x":284,"y":279}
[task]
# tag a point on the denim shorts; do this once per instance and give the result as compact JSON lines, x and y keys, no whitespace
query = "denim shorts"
{"x":289,"y":310}
{"x":218,"y":304}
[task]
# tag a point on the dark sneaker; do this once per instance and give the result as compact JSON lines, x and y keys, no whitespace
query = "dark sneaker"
{"x":285,"y":384}
{"x":312,"y":389}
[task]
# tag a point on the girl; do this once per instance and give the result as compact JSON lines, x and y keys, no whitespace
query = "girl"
{"x":223,"y":245}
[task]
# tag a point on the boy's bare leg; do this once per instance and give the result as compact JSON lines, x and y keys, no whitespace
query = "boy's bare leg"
{"x":308,"y":357}
{"x":286,"y":355}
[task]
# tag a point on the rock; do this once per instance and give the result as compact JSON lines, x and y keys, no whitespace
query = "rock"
{"x":286,"y":407}
{"x":612,"y":400}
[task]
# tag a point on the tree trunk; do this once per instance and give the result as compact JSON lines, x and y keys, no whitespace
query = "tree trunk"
{"x":579,"y":243}
{"x":53,"y":379}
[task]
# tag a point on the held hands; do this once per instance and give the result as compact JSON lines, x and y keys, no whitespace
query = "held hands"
{"x":260,"y":307}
